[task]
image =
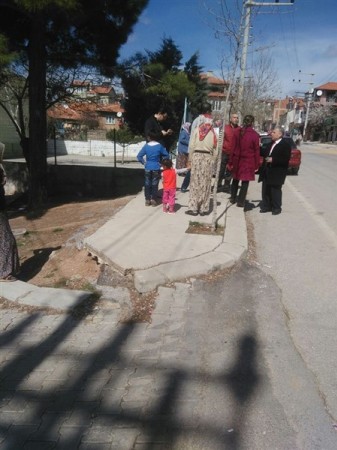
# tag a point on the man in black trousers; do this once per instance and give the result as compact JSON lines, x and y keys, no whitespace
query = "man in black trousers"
{"x":274,"y":171}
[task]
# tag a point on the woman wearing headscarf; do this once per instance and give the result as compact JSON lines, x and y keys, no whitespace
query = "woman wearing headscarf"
{"x":182,"y":157}
{"x":244,"y":160}
{"x":203,"y":144}
{"x":9,"y":258}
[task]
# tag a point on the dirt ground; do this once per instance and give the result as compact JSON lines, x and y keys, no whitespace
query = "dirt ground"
{"x":50,"y":246}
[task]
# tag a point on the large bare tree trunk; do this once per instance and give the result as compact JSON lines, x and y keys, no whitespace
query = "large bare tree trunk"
{"x":37,"y":113}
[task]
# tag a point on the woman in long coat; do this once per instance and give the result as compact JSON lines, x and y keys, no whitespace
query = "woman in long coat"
{"x":244,"y":160}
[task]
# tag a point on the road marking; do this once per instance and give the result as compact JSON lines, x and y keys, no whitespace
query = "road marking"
{"x":328,"y":231}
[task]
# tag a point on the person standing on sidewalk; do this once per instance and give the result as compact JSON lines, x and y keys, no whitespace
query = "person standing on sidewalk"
{"x":182,"y":158}
{"x":244,"y":160}
{"x":153,"y":152}
{"x":274,"y":172}
{"x":9,"y":258}
{"x":154,"y":126}
{"x":169,"y":177}
{"x":227,"y":148}
{"x":202,"y":149}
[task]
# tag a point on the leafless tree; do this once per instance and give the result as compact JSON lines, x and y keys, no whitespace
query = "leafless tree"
{"x":226,"y":18}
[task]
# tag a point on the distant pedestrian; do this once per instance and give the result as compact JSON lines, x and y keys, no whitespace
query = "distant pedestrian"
{"x":182,"y":157}
{"x":227,"y":147}
{"x":274,"y":171}
{"x":154,"y":125}
{"x":298,"y":138}
{"x":202,"y":149}
{"x":9,"y":258}
{"x":153,"y":152}
{"x":244,"y":160}
{"x":169,"y":176}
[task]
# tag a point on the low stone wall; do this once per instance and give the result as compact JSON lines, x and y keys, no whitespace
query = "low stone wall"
{"x":93,"y":181}
{"x":94,"y":148}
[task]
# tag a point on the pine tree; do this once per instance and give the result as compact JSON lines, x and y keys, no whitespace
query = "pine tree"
{"x":65,"y":33}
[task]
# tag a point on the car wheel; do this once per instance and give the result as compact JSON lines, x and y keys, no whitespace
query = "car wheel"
{"x":295,"y":170}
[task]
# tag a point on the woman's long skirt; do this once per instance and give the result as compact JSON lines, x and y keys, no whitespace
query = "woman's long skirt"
{"x":201,"y":182}
{"x":9,"y":258}
{"x":182,"y":159}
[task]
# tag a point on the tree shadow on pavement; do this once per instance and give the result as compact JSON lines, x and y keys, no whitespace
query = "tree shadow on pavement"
{"x":57,"y":394}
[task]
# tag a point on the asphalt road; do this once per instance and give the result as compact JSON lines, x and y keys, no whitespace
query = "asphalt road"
{"x":298,"y":250}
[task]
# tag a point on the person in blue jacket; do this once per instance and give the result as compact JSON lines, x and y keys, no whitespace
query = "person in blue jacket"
{"x":182,"y":157}
{"x":153,"y":152}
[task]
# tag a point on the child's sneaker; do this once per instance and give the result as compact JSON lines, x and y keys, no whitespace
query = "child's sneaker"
{"x":165,"y":210}
{"x":171,"y":212}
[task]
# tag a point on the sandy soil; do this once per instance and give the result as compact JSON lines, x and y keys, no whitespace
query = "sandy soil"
{"x":50,"y":246}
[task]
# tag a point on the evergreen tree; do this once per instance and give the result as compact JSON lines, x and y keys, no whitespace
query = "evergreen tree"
{"x":154,"y":79}
{"x":65,"y":33}
{"x":193,"y":71}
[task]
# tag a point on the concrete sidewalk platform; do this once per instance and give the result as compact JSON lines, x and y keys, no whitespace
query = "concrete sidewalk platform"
{"x":23,"y":293}
{"x":155,"y":247}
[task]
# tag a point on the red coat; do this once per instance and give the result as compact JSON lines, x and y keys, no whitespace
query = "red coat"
{"x":228,"y":138}
{"x":245,"y":157}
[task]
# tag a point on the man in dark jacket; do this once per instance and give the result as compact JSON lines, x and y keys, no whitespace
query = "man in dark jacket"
{"x":274,"y":172}
{"x":153,"y":125}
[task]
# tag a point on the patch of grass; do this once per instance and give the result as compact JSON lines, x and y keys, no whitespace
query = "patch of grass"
{"x":57,"y":230}
{"x":202,"y":228}
{"x":61,"y":283}
{"x":86,"y":286}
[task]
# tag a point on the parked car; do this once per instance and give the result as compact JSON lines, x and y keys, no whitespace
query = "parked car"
{"x":296,"y":155}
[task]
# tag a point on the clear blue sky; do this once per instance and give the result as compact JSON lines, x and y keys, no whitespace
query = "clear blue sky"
{"x":299,"y":37}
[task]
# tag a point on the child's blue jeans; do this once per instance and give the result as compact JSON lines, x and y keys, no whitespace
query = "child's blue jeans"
{"x":152,"y":178}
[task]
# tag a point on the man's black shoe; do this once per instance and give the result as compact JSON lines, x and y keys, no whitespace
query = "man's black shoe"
{"x":264,"y":210}
{"x":276,"y":212}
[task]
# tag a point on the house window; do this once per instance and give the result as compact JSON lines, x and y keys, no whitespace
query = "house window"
{"x":80,"y":90}
{"x":110,"y":120}
{"x":216,"y":105}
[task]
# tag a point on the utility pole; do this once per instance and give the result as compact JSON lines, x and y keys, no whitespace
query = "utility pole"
{"x":248,"y":4}
{"x":309,"y":100}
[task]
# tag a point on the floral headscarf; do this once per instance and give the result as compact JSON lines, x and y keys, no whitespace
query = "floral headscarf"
{"x":204,"y":129}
